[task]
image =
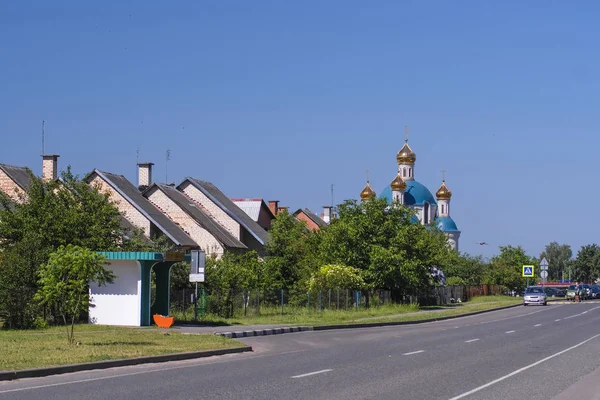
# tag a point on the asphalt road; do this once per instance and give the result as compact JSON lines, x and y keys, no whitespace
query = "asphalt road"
{"x":525,"y":352}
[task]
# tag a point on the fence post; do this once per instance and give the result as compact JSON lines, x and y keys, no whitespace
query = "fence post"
{"x":320,"y":300}
{"x":258,"y":301}
{"x":308,"y":303}
{"x":337,"y":304}
{"x":329,"y":299}
{"x":282,"y":301}
{"x":347,"y":299}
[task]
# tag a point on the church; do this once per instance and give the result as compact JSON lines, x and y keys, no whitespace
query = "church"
{"x":404,"y":189}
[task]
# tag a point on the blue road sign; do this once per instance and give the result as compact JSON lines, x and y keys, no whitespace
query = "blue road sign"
{"x":528,"y":271}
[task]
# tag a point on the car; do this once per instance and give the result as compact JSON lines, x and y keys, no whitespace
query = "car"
{"x":571,"y":292}
{"x":595,"y":291}
{"x":535,"y":295}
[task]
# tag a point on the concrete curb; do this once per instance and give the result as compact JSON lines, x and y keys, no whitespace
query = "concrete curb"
{"x":278,"y":331}
{"x":264,"y":332}
{"x":64,"y":369}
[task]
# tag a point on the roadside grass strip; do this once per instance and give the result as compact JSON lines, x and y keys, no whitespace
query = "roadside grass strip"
{"x":45,"y":348}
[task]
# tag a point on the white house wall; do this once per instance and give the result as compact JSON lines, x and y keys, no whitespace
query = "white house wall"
{"x":118,"y":303}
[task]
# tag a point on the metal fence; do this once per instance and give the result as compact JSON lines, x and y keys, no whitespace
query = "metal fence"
{"x":241,"y":303}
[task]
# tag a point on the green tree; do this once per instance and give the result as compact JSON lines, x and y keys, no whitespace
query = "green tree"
{"x":290,"y":252}
{"x":64,"y":281}
{"x":559,"y":257}
{"x":385,"y":243}
{"x":506,"y":268}
{"x":49,"y":215}
{"x":465,"y":269}
{"x":586,"y":266}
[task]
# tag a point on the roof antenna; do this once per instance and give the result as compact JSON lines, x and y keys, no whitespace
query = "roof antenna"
{"x":167,"y":158}
{"x":332,"y":195}
{"x":137,"y":155}
{"x":43,"y":138}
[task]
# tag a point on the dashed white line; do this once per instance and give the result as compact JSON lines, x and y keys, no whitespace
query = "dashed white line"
{"x":470,"y":392}
{"x":413,"y":352}
{"x":471,"y":341}
{"x":536,"y":325}
{"x":510,"y":332}
{"x":556,"y":320}
{"x":311,"y":373}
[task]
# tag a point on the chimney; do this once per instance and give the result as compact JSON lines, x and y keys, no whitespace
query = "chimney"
{"x":273,"y":206}
{"x":281,"y":209}
{"x":144,"y":175}
{"x":49,"y":167}
{"x":327,"y":213}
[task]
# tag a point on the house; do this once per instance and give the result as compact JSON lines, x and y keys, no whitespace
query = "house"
{"x":138,"y":210}
{"x":258,"y":210}
{"x":312,"y":221}
{"x":221,"y":209}
{"x":210,"y":236}
{"x":14,"y":181}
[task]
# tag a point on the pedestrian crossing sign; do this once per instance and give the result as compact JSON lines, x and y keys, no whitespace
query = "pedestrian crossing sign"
{"x":528,"y":271}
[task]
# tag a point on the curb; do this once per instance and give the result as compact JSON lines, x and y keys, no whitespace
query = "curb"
{"x":278,"y":331}
{"x":264,"y":332}
{"x":64,"y":369}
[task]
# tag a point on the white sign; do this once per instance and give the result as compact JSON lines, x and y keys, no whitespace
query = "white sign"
{"x":544,"y":264}
{"x":197,"y":277}
{"x":544,"y":274}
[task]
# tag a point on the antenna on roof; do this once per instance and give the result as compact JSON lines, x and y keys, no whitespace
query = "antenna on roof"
{"x":137,"y":155}
{"x":43,"y":138}
{"x":167,"y":158}
{"x":332,"y":195}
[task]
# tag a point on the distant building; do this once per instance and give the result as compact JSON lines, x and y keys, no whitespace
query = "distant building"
{"x":258,"y":210}
{"x":312,"y":221}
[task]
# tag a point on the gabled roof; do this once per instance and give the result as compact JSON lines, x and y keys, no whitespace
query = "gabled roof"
{"x":313,"y":217}
{"x":198,"y":215}
{"x":223,"y":202}
{"x":20,"y":175}
{"x":143,"y":205}
{"x":252,"y":207}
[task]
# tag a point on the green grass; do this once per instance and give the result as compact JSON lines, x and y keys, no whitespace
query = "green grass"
{"x":48,"y":347}
{"x":392,"y":312}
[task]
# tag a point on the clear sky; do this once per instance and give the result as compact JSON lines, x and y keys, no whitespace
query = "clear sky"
{"x":282,"y":99}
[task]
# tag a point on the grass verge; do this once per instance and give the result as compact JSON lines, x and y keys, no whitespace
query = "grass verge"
{"x":392,"y":312}
{"x":43,"y":348}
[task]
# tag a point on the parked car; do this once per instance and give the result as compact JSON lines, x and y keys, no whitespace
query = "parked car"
{"x":571,"y":291}
{"x":535,"y":295}
{"x":595,"y":291}
{"x":584,"y":289}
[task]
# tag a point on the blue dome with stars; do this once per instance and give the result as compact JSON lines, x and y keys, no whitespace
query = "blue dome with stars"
{"x":416,"y":194}
{"x":446,"y":224}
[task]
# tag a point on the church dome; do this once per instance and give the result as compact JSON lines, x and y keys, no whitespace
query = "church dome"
{"x":446,"y":224}
{"x":367,"y":192}
{"x":398,"y":184}
{"x":415,"y":194}
{"x":443,"y":193}
{"x":406,"y":155}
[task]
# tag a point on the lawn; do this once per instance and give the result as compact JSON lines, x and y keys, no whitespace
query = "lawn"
{"x":48,"y":347}
{"x":391,"y":312}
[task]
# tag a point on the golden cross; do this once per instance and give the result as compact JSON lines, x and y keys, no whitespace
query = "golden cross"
{"x":405,"y":133}
{"x":368,"y":172}
{"x":443,"y":175}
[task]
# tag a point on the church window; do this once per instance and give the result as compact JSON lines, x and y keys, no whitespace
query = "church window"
{"x":404,"y":172}
{"x":442,"y":208}
{"x":426,"y":214}
{"x":409,"y":172}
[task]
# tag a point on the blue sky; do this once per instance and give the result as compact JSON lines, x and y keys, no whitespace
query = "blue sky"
{"x":281,"y":99}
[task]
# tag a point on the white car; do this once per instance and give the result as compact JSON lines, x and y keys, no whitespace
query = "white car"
{"x":534,"y":295}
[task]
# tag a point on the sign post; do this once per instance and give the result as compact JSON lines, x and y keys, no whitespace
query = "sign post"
{"x":544,"y":270}
{"x":528,"y":272}
{"x":197,"y":274}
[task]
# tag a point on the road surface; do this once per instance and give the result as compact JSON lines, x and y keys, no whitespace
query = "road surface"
{"x":525,"y":352}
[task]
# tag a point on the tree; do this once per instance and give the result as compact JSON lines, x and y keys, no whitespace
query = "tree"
{"x":52,"y":214}
{"x":465,"y":269}
{"x":291,"y":252}
{"x":64,"y":281}
{"x":559,"y":257}
{"x":386,"y":244}
{"x":586,"y":266}
{"x":506,"y":267}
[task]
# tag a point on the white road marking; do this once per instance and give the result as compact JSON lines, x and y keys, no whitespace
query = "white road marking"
{"x":537,"y":325}
{"x":470,"y":341}
{"x":312,"y":373}
{"x":477,"y":389}
{"x":556,"y":320}
{"x":510,"y":332}
{"x":413,"y":352}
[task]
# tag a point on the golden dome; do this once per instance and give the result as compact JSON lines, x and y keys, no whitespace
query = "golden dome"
{"x":398,"y":184}
{"x":406,"y":155}
{"x":367,"y":193}
{"x":443,"y":193}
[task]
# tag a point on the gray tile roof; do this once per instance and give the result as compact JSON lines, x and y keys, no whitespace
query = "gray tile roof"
{"x":20,"y":175}
{"x":314,"y":217}
{"x":195,"y":212}
{"x":219,"y":198}
{"x":143,"y":205}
